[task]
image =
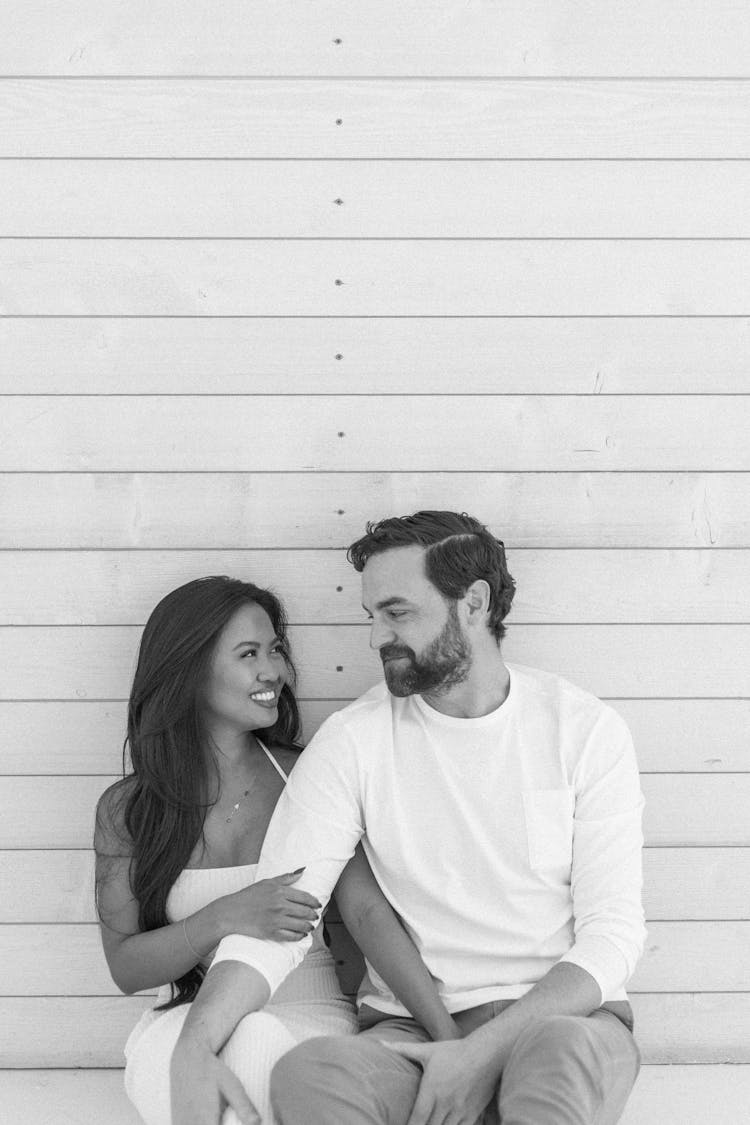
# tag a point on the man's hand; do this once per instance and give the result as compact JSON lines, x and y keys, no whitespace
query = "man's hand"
{"x":454,"y":1090}
{"x":203,"y":1086}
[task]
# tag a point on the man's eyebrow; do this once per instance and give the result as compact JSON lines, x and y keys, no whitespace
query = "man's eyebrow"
{"x":386,"y":602}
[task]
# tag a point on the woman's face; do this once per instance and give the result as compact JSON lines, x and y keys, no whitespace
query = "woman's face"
{"x":246,"y":673}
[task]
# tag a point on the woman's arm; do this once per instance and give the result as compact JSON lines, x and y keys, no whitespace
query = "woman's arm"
{"x":375,"y":927}
{"x":140,"y":960}
{"x":272,"y":908}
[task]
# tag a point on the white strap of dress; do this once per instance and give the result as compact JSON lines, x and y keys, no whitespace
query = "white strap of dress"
{"x":271,"y":758}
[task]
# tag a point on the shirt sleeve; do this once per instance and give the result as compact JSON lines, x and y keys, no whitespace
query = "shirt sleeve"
{"x":607,"y":877}
{"x":317,"y":824}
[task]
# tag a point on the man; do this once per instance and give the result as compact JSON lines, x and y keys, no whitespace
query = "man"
{"x":500,"y":810}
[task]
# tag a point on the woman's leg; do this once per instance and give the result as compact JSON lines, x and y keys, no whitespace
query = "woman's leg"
{"x":252,"y":1050}
{"x":147,"y":1067}
{"x":254,"y":1047}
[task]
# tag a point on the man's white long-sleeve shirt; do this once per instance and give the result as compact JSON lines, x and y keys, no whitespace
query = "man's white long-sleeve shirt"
{"x":506,"y":843}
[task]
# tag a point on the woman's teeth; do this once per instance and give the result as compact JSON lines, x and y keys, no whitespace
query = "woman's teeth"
{"x":264,"y":696}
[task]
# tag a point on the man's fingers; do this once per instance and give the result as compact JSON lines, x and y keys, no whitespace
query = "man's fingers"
{"x":416,"y":1052}
{"x":236,"y":1097}
{"x":422,"y":1110}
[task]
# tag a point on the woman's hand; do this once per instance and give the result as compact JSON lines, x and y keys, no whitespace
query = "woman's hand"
{"x":271,"y":908}
{"x":202,"y":1086}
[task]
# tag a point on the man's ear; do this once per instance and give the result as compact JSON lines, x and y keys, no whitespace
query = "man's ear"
{"x":477,"y":601}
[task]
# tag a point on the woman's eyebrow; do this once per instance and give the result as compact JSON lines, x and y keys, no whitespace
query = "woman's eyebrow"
{"x":256,"y":644}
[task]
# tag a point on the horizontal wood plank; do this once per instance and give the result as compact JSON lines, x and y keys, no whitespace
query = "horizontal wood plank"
{"x":324,"y":433}
{"x":233,"y":510}
{"x":569,"y":277}
{"x":122,"y":587}
{"x":696,"y":883}
{"x":663,"y":1095}
{"x":705,"y":884}
{"x":374,"y":199}
{"x":75,"y":736}
{"x":183,"y":117}
{"x":681,"y":810}
{"x":369,"y":355}
{"x":632,"y":661}
{"x":67,"y":960}
{"x":687,"y":1095}
{"x":690,"y":809}
{"x":91,"y":1031}
{"x":516,"y":38}
{"x":66,"y":1097}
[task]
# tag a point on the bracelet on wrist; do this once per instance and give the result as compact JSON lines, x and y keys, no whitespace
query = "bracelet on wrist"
{"x":198,"y":956}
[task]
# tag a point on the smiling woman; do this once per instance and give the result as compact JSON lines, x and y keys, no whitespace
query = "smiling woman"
{"x":213,"y":731}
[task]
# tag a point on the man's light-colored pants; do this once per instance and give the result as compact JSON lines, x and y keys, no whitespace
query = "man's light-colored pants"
{"x":563,"y":1070}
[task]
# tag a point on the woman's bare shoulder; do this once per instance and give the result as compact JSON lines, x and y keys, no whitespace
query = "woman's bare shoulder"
{"x":111,"y":836}
{"x":287,"y":756}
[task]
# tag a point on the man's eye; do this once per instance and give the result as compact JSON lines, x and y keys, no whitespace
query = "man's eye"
{"x":398,"y":613}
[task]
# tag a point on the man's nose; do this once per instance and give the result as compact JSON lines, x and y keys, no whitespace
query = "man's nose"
{"x":381,"y":634}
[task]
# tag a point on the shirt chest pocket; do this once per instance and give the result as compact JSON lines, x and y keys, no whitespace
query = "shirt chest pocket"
{"x":549,"y":828}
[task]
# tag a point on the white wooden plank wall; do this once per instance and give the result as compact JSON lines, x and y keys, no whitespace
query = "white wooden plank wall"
{"x":269,"y":270}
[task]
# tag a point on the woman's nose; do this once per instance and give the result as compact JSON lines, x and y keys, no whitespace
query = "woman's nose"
{"x":267,"y":671}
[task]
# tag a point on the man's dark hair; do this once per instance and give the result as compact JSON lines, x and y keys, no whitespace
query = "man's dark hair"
{"x":458,"y":551}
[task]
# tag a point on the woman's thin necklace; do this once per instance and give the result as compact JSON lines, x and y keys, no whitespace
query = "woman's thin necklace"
{"x":237,"y":805}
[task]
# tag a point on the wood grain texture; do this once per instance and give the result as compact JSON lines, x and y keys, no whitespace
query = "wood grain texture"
{"x":78,"y":737}
{"x":67,"y":960}
{"x":83,"y":510}
{"x":515,"y":38}
{"x":368,"y":355}
{"x":680,"y":884}
{"x":252,"y":118}
{"x":682,"y":810}
{"x":688,"y":1095}
{"x":663,"y":1095}
{"x":631,"y":661}
{"x":602,"y":277}
{"x":374,"y":199}
{"x":324,"y":433}
{"x":91,"y":1031}
{"x":320,"y":587}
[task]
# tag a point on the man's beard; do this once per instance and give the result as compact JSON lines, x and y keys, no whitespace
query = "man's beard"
{"x":443,"y":664}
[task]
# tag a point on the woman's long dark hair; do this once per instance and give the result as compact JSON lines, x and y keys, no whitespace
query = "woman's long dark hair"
{"x":162,"y":802}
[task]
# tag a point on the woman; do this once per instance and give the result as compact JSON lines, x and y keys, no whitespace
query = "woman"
{"x":177,"y":843}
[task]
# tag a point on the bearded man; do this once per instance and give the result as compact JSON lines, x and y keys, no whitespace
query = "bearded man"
{"x":500,"y":809}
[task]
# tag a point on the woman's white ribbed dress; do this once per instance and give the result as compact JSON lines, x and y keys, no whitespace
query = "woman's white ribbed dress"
{"x":308,"y":1003}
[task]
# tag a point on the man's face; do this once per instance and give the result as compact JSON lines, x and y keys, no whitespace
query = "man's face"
{"x":417,"y":633}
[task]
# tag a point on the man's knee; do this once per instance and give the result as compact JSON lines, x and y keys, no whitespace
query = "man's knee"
{"x":294,"y":1070}
{"x":554,"y":1038}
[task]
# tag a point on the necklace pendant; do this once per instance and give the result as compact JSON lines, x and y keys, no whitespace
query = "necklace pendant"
{"x":235,"y":807}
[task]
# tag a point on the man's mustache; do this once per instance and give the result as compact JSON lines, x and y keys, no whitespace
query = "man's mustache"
{"x":390,"y":652}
